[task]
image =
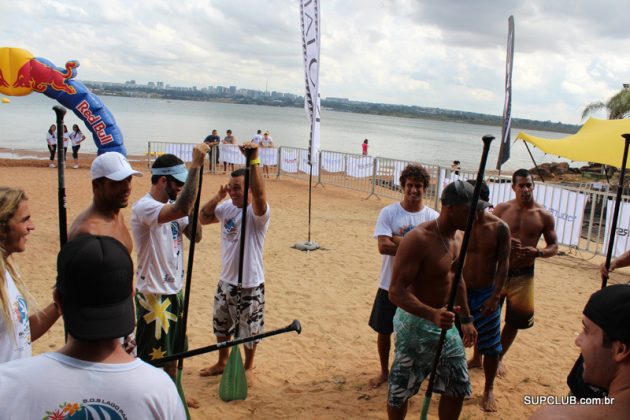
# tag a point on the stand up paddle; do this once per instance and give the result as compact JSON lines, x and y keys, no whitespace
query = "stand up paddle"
{"x":189,"y":270}
{"x":575,"y":381}
{"x":487,"y":139}
{"x":294,"y":326}
{"x":60,"y":112}
{"x":233,"y":384}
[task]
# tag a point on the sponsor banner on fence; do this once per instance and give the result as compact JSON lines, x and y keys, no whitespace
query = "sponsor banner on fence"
{"x":289,"y":160}
{"x":623,"y":227}
{"x":361,"y":167}
{"x":230,"y":153}
{"x":182,"y":151}
{"x":268,"y":156}
{"x":333,"y":162}
{"x":304,"y":166}
{"x":566,"y":207}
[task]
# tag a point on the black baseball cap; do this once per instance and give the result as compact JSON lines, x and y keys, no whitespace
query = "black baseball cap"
{"x":461,"y":193}
{"x":609,"y":308}
{"x":95,"y":285}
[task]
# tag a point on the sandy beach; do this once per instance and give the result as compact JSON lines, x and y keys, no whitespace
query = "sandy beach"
{"x":324,"y":372}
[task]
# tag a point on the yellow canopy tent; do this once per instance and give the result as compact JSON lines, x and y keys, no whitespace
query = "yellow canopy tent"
{"x":597,"y":141}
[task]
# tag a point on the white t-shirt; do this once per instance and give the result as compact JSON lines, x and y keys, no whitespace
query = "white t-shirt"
{"x":76,"y":137}
{"x":66,"y":139}
{"x":253,"y":269}
{"x":51,"y":138}
{"x":53,"y":385}
{"x":15,"y":344}
{"x":266,"y":142}
{"x":160,"y":249}
{"x":394,"y":220}
{"x":257,"y":139}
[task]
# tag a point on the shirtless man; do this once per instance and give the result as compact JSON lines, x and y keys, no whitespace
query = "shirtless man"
{"x":485,"y":272}
{"x":421,"y":281}
{"x":605,"y":345}
{"x":527,"y":221}
{"x":111,"y":186}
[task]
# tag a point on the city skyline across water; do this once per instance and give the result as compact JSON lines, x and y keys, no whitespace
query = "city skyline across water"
{"x":26,"y":119}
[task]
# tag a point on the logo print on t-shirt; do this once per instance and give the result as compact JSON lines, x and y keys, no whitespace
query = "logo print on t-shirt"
{"x":21,"y":310}
{"x":404,"y":229}
{"x":231,"y":228}
{"x":93,"y":408}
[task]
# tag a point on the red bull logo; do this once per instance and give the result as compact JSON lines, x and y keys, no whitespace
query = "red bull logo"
{"x":3,"y":81}
{"x":39,"y":76}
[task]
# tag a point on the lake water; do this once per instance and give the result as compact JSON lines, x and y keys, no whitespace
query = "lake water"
{"x":24,"y":122}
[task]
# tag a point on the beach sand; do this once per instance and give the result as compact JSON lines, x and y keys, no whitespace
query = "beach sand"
{"x":324,"y":372}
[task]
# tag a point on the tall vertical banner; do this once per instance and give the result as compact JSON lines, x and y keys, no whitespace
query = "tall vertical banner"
{"x":504,"y":151}
{"x":309,"y":12}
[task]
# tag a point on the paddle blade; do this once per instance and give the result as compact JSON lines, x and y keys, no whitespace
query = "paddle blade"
{"x":233,"y":384}
{"x":180,"y":391}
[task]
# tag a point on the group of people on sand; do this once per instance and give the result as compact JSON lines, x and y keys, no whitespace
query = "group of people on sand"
{"x":94,"y":294}
{"x":420,"y":248}
{"x":75,"y":137}
{"x":94,"y":291}
{"x":213,"y":140}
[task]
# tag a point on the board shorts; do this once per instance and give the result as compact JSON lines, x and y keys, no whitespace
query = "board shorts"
{"x":488,"y":327}
{"x":159,"y":325}
{"x":518,"y":291}
{"x":383,"y":311}
{"x":252,"y":320}
{"x":416,"y":343}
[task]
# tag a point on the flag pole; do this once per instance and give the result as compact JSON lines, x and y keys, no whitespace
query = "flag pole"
{"x":504,"y":150}
{"x":310,"y":25}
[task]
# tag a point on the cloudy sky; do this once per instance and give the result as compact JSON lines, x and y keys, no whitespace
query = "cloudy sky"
{"x":447,"y":54}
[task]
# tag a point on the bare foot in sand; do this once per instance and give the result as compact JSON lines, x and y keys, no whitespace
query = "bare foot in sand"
{"x":379,"y":380}
{"x":213,"y":370}
{"x":501,"y":370}
{"x":249,"y":374}
{"x":192,"y":403}
{"x":475,"y":362}
{"x":488,"y":402}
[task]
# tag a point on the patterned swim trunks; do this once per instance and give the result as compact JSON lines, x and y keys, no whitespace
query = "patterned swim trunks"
{"x":519,"y":293}
{"x":159,"y":325}
{"x":488,"y":327}
{"x":252,"y":320}
{"x":416,"y":343}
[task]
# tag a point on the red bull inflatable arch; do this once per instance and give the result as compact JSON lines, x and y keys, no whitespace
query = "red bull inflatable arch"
{"x":21,"y":74}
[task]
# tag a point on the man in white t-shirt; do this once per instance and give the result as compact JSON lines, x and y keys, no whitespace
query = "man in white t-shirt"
{"x":229,"y":214}
{"x":258,"y":137}
{"x":157,"y":222}
{"x":392,"y":224}
{"x":91,"y":376}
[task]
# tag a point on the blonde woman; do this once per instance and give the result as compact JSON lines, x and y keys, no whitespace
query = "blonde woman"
{"x":17,"y":329}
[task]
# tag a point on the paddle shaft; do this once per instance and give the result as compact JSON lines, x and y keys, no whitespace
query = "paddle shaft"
{"x":241,"y":250}
{"x":295,"y":326}
{"x":189,"y":270}
{"x":613,"y":225}
{"x":487,"y":139}
{"x":60,"y":112}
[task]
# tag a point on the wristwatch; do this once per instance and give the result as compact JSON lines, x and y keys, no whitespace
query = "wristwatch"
{"x":539,"y":253}
{"x":466,"y":319}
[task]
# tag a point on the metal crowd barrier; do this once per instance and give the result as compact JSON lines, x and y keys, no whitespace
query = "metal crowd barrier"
{"x":580,"y":212}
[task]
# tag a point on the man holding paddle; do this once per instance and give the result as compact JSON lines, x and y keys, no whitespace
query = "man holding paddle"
{"x":421,"y":281}
{"x":157,"y":222}
{"x":229,"y":214}
{"x":527,"y":220}
{"x":485,"y":272}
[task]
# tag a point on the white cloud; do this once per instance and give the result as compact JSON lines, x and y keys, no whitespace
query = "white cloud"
{"x":448,"y":54}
